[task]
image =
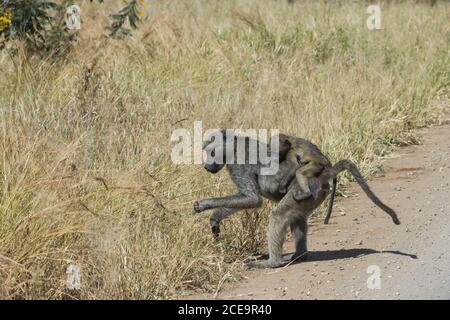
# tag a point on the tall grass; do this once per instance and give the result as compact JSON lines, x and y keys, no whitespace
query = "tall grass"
{"x":85,"y":170}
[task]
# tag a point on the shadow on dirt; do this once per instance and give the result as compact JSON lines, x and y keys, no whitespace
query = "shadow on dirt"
{"x":326,"y":255}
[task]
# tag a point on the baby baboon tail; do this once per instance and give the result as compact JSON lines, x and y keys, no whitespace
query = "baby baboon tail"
{"x":350,"y":166}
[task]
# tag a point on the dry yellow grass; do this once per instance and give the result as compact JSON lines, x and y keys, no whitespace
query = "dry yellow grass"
{"x":85,"y":170}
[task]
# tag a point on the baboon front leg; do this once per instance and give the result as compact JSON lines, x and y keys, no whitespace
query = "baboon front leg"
{"x":238,"y":201}
{"x":299,"y":229}
{"x":217,"y":216}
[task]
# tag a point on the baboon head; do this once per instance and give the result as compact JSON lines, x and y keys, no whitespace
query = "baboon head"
{"x":284,"y":145}
{"x":215,"y":147}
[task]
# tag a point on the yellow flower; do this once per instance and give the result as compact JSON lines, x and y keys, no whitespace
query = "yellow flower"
{"x":4,"y":23}
{"x":5,"y":20}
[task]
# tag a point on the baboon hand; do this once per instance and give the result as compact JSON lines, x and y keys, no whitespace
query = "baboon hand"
{"x":282,"y":189}
{"x":215,"y":228}
{"x":198,"y":206}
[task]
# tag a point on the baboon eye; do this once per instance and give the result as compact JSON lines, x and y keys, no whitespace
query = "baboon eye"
{"x":213,"y":153}
{"x":299,"y":159}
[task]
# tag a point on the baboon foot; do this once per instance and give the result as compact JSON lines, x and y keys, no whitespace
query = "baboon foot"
{"x":198,"y":207}
{"x":301,"y":256}
{"x":264,"y":264}
{"x":215,"y":228}
{"x":299,"y":196}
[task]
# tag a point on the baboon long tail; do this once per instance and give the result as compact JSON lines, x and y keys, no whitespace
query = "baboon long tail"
{"x":350,"y":166}
{"x":331,"y":201}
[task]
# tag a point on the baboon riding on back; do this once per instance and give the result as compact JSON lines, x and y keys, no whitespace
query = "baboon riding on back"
{"x":297,"y":198}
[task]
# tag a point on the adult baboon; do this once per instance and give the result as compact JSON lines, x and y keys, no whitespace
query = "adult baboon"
{"x":250,"y":183}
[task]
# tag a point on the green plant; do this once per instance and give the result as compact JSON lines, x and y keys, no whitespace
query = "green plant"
{"x":41,"y":24}
{"x":38,"y":24}
{"x":131,"y":12}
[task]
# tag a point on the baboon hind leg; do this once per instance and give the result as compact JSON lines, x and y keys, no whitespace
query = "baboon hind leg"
{"x":299,"y":229}
{"x":276,"y":235}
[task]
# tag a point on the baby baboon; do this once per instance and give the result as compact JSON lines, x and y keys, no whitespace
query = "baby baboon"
{"x":290,"y":212}
{"x":308,"y":163}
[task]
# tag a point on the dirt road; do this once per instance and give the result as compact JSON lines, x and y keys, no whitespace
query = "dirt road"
{"x":412,"y":260}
